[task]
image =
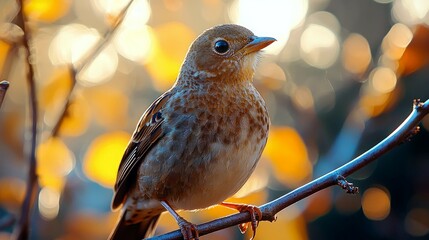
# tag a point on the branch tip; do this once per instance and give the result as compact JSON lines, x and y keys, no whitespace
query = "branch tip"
{"x":418,"y":104}
{"x":349,"y":187}
{"x":4,"y":85}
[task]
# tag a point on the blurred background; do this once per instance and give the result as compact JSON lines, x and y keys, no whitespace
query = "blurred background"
{"x":341,"y":77}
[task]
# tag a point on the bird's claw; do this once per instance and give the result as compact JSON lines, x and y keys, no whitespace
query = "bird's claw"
{"x":188,"y":230}
{"x":255,"y":216}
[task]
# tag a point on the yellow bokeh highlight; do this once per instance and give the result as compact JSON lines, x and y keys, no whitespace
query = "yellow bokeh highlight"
{"x":285,"y":227}
{"x":383,"y":79}
{"x":52,"y":98}
{"x":77,"y":118}
{"x":109,"y":105}
{"x":373,"y":104}
{"x":356,"y":55}
{"x":54,"y":93}
{"x":54,"y":162}
{"x":169,"y":48}
{"x":288,"y":155}
{"x":103,"y":156}
{"x":376,"y":203}
{"x":396,"y":40}
{"x":255,"y":198}
{"x":4,"y":50}
{"x":46,"y":10}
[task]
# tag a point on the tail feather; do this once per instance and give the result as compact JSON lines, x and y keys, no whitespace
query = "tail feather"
{"x":140,"y":230}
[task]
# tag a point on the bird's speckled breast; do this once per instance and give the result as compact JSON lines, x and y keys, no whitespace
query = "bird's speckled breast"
{"x":217,"y":140}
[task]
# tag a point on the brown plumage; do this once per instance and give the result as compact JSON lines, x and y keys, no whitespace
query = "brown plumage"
{"x":198,"y":143}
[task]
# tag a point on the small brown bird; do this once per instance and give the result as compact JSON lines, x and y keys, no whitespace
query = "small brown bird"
{"x":199,"y":142}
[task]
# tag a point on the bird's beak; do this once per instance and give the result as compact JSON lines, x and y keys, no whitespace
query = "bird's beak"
{"x":257,"y":44}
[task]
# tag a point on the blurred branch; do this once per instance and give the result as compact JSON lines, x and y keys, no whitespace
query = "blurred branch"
{"x":87,"y":60}
{"x":22,"y":229}
{"x":57,"y":126}
{"x":336,"y":177}
{"x":4,"y":85}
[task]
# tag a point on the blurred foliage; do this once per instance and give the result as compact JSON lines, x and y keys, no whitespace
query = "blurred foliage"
{"x":341,"y":77}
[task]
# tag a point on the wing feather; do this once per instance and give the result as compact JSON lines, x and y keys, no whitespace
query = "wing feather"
{"x":147,"y":133}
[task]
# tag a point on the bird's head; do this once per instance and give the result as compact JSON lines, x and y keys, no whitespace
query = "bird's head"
{"x":227,"y":53}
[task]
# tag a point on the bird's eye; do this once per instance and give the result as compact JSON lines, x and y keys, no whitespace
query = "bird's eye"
{"x":221,"y":46}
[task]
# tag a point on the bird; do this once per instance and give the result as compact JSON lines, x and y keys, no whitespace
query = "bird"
{"x":198,"y":143}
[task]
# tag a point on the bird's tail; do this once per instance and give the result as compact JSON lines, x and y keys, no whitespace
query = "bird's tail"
{"x":140,"y":230}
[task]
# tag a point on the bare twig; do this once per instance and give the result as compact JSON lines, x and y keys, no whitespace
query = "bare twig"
{"x":87,"y":60}
{"x":4,"y":85}
{"x":348,"y":187}
{"x":57,"y":126}
{"x":335,"y":177}
{"x":22,"y":229}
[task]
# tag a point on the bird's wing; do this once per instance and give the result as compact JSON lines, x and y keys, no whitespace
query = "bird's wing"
{"x":147,"y":133}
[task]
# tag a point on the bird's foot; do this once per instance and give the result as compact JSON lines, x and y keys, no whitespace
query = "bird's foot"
{"x":255,"y":215}
{"x":189,"y":230}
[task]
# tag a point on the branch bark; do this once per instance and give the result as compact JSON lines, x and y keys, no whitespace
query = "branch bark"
{"x":22,"y":229}
{"x":336,"y":177}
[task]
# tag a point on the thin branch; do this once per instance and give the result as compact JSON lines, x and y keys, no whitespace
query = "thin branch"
{"x":22,"y":229}
{"x":335,"y":177}
{"x":60,"y":120}
{"x":87,"y":60}
{"x":4,"y":85}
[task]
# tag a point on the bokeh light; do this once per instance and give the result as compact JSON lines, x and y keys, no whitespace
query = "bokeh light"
{"x":55,"y":161}
{"x":110,"y":106}
{"x":134,"y":43}
{"x":12,"y":192}
{"x":264,"y":17}
{"x":319,"y":46}
{"x":77,"y":118}
{"x":137,"y":15}
{"x":169,"y":49}
{"x":72,"y":44}
{"x":46,"y":10}
{"x":396,"y":40}
{"x":272,"y":75}
{"x":410,"y":11}
{"x":356,"y":54}
{"x":103,"y":156}
{"x":417,"y":222}
{"x":318,"y":204}
{"x":290,"y":225}
{"x":49,"y":203}
{"x":303,"y":98}
{"x":288,"y":154}
{"x":383,"y":79}
{"x":4,"y":49}
{"x":348,"y":203}
{"x":376,"y":203}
